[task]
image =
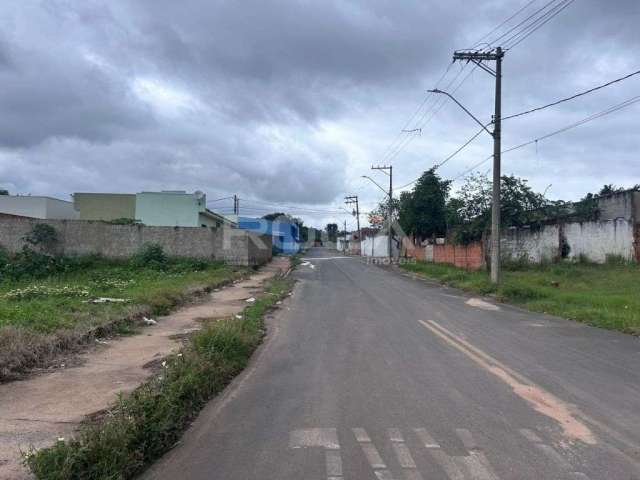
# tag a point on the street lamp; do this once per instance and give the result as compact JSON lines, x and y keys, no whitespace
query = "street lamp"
{"x":376,"y":184}
{"x":495,"y":203}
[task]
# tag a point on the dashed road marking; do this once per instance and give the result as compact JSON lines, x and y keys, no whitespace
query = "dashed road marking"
{"x":477,"y":462}
{"x":552,"y":454}
{"x":326,"y":438}
{"x":369,"y":449}
{"x":403,"y":455}
{"x":426,"y":439}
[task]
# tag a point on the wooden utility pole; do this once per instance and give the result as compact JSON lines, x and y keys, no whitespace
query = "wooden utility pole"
{"x":236,"y":204}
{"x":477,"y":58}
{"x":353,"y":199}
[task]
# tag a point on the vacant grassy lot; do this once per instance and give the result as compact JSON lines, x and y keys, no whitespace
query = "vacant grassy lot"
{"x":606,"y":296}
{"x":143,"y":426}
{"x":52,"y":305}
{"x":64,"y":301}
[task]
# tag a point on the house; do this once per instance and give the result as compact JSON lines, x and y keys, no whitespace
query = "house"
{"x":105,"y":206}
{"x":168,"y":208}
{"x":285,"y":233}
{"x":37,"y":207}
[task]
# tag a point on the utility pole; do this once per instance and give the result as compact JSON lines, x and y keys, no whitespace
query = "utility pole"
{"x":478,"y":58}
{"x":236,"y":204}
{"x":344,"y":242}
{"x":384,"y":169}
{"x":351,"y":199}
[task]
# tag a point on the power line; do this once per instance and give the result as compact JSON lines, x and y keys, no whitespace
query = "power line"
{"x":291,"y":207}
{"x":523,"y":22}
{"x":595,"y":116}
{"x":495,"y":29}
{"x":572,"y":97}
{"x":540,"y":23}
{"x":219,"y":199}
{"x":438,"y":165}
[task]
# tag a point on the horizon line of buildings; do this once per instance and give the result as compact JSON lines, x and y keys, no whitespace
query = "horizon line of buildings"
{"x":167,"y":208}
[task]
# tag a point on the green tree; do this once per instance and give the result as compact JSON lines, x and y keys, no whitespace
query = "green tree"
{"x":275,"y":215}
{"x":519,"y":205}
{"x":378,"y":217}
{"x":423,"y":211}
{"x":332,"y":232}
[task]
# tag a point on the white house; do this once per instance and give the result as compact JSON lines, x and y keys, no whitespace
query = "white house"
{"x":37,"y":207}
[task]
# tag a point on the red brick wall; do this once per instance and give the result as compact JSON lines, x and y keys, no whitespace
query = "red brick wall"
{"x":464,"y":256}
{"x":412,"y":249}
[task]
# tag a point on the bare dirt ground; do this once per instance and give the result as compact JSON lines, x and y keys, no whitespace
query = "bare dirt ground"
{"x":37,"y":411}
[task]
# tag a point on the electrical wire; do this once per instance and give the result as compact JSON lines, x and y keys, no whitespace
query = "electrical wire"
{"x":540,"y":23}
{"x":572,"y":97}
{"x":495,"y":29}
{"x":523,"y":22}
{"x":595,"y":116}
{"x":220,"y":199}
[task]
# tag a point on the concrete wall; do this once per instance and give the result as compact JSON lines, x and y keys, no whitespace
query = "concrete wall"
{"x":597,"y":240}
{"x":535,"y":245}
{"x":105,"y":206}
{"x":37,"y":207}
{"x":377,"y":247}
{"x":78,"y":237}
{"x":592,"y":240}
{"x":617,"y":205}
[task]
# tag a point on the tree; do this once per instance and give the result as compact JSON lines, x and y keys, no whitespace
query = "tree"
{"x":274,"y":216}
{"x":332,"y":232}
{"x":378,"y":217}
{"x":519,"y":205}
{"x":423,"y":211}
{"x":609,"y":189}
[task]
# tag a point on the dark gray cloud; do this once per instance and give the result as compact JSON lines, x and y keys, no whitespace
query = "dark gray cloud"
{"x":290,"y":101}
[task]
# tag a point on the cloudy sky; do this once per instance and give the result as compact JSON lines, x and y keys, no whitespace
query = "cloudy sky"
{"x":290,"y":102}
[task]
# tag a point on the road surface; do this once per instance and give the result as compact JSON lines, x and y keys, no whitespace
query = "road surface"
{"x":370,"y":374}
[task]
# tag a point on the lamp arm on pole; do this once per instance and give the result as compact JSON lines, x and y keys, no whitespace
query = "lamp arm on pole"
{"x":376,"y":184}
{"x":435,"y":90}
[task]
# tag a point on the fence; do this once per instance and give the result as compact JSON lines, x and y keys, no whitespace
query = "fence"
{"x":79,"y":237}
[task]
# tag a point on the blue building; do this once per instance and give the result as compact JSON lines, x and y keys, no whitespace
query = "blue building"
{"x":285,"y":234}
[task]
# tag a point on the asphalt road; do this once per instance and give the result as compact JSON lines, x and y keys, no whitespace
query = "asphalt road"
{"x":370,"y":374}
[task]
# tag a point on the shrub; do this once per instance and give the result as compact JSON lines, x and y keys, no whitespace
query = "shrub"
{"x":151,"y":255}
{"x":31,"y":264}
{"x":43,"y":236}
{"x":4,"y":258}
{"x":615,"y":259}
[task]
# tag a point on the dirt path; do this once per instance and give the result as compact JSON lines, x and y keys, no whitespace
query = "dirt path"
{"x":39,"y":410}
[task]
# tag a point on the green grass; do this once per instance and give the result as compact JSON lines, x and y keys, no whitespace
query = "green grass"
{"x":145,"y":425}
{"x":52,"y":310}
{"x":43,"y":317}
{"x":600,"y":295}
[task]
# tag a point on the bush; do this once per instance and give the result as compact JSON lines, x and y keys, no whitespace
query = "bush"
{"x":151,"y":255}
{"x":43,"y":236}
{"x":31,"y":264}
{"x":615,"y":259}
{"x":4,"y":258}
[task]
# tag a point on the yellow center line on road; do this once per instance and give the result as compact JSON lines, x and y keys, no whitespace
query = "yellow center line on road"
{"x":542,"y":401}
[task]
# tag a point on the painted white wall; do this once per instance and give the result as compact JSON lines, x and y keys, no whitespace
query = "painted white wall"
{"x":537,"y":245}
{"x":377,"y":247}
{"x":37,"y":207}
{"x":596,"y":240}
